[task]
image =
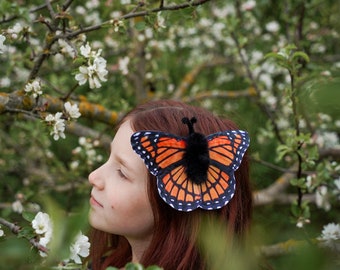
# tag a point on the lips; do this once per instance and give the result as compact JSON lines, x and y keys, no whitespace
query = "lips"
{"x":94,"y":202}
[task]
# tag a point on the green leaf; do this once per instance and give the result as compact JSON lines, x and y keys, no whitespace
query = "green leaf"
{"x":302,"y":55}
{"x":306,"y":211}
{"x":300,"y":182}
{"x":134,"y":266}
{"x":154,"y":267}
{"x":295,"y":210}
{"x":275,"y":55}
{"x":26,"y":232}
{"x":29,"y":216}
{"x":140,"y":26}
{"x":283,"y":150}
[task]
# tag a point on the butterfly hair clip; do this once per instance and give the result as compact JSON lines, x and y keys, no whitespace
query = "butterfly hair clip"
{"x":196,"y":171}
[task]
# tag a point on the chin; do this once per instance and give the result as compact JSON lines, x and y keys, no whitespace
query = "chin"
{"x":93,"y":220}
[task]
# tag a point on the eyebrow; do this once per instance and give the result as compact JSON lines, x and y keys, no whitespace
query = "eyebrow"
{"x":121,"y":160}
{"x":124,"y":163}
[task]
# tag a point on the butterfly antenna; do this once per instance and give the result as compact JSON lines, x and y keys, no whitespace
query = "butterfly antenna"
{"x":190,"y":123}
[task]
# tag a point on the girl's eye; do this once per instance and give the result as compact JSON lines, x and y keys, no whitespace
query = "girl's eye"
{"x":121,"y":174}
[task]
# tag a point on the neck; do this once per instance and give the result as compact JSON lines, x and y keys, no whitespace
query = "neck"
{"x":138,"y":247}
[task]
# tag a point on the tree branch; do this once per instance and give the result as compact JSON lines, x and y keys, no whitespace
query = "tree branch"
{"x":280,"y":248}
{"x":16,"y":229}
{"x":20,"y":103}
{"x":138,"y":14}
{"x":229,"y":94}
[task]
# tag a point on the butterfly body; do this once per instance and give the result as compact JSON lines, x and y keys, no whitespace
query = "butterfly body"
{"x":196,"y":171}
{"x":196,"y":157}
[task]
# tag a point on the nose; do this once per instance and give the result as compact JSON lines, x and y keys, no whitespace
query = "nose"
{"x":96,"y":178}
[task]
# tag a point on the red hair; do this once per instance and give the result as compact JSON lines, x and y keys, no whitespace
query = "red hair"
{"x":174,"y":243}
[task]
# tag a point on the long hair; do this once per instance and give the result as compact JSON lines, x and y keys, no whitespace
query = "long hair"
{"x":174,"y":243}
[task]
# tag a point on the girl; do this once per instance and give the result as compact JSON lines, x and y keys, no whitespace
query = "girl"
{"x":136,"y":219}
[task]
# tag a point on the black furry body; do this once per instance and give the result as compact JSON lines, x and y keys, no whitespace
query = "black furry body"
{"x":196,"y":156}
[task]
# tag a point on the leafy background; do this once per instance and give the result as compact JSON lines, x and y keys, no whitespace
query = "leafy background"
{"x":271,"y":66}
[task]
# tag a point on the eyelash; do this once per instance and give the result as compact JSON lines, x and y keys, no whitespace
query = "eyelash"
{"x":121,"y":174}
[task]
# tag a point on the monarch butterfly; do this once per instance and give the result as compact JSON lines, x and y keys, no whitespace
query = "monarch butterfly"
{"x":195,"y":171}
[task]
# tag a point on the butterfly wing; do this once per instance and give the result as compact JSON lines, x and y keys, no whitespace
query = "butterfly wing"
{"x":163,"y":155}
{"x":226,"y":150}
{"x":160,"y":151}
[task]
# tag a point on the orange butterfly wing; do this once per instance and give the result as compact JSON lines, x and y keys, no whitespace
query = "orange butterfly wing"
{"x":226,"y":150}
{"x":163,"y":155}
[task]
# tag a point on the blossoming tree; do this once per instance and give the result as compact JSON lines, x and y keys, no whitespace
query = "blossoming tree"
{"x":70,"y":69}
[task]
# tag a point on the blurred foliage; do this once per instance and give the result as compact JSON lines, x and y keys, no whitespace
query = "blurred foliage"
{"x":283,"y":54}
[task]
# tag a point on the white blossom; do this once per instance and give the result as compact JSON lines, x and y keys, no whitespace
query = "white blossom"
{"x":82,"y":141}
{"x":82,"y":76}
{"x":85,"y":50}
{"x":49,"y":118}
{"x":72,"y":110}
{"x":66,"y":48}
{"x":87,"y":147}
{"x":321,"y":197}
{"x":94,"y":73}
{"x":117,"y":24}
{"x":227,"y":10}
{"x":92,"y":4}
{"x":74,"y":165}
{"x":272,"y":26}
{"x":336,"y":190}
{"x":324,"y":117}
{"x":160,"y":21}
{"x":58,"y":125}
{"x":1,"y":232}
{"x":33,"y":88}
{"x":94,"y":70}
{"x":327,"y":139}
{"x":80,"y":248}
{"x":330,"y":236}
{"x":80,"y":10}
{"x":318,"y":48}
{"x":249,"y":5}
{"x":337,"y":183}
{"x":282,"y":123}
{"x":123,"y":65}
{"x":5,"y":82}
{"x":15,"y":30}
{"x":301,"y":222}
{"x":42,"y":223}
{"x":17,"y":206}
{"x":44,"y":242}
{"x":2,"y":46}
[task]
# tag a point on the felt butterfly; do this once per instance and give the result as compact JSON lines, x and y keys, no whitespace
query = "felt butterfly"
{"x":195,"y":171}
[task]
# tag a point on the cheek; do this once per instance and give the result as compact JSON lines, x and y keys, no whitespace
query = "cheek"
{"x":134,"y":205}
{"x":134,"y":215}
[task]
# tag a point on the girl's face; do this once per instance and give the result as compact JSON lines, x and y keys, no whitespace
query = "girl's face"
{"x":119,"y":199}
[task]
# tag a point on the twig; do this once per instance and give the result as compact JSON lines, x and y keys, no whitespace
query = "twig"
{"x":33,"y":10}
{"x":16,"y":229}
{"x":137,"y":14}
{"x":50,"y":9}
{"x":229,"y":94}
{"x":19,"y":103}
{"x":293,"y":99}
{"x":66,"y":5}
{"x":280,"y":248}
{"x":254,"y":84}
{"x":268,"y":194}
